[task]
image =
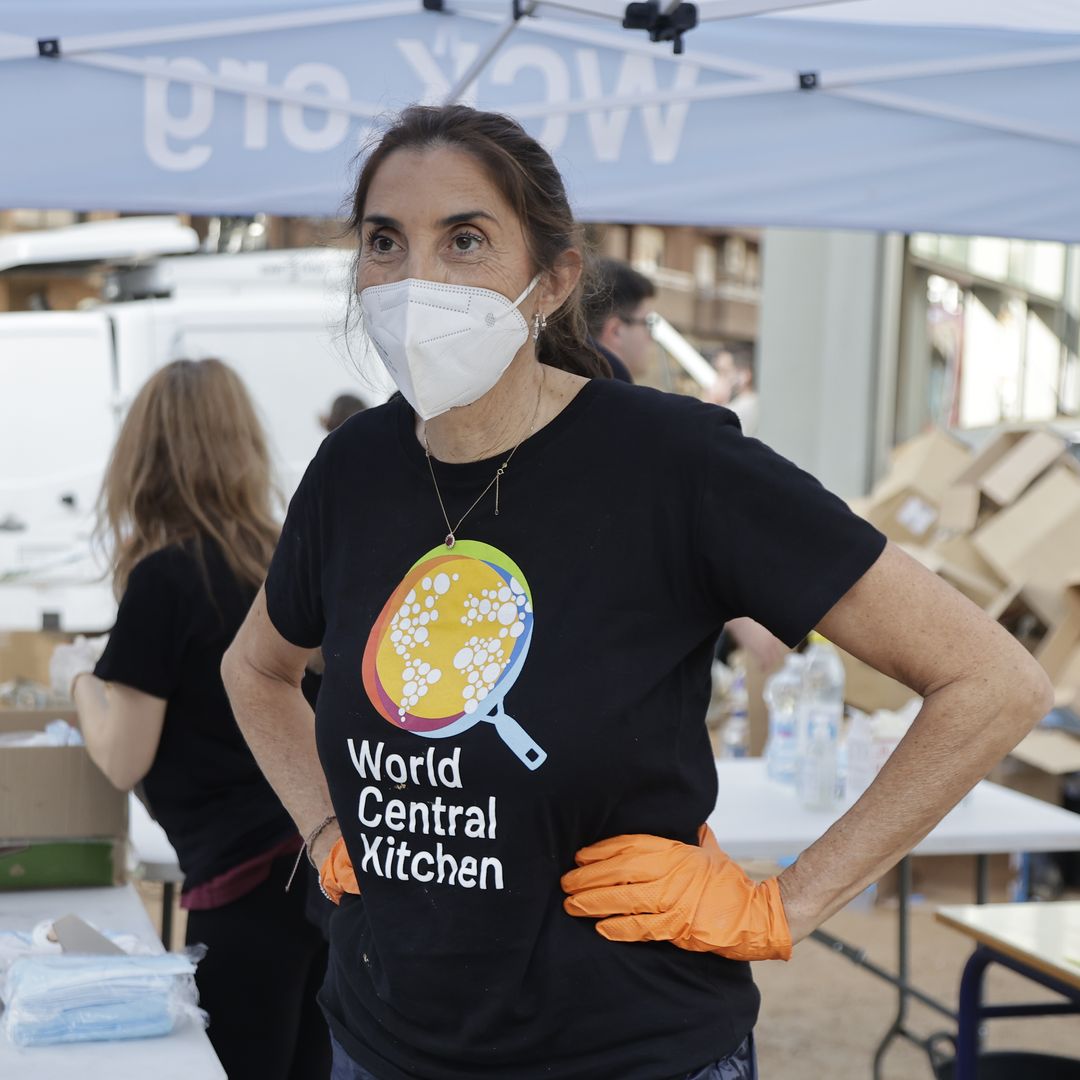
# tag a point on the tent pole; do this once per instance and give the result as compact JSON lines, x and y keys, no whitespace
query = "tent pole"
{"x":299,"y":19}
{"x":903,"y":103}
{"x":482,"y":61}
{"x":952,"y":65}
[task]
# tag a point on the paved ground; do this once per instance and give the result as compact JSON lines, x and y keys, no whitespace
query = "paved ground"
{"x":822,"y":1017}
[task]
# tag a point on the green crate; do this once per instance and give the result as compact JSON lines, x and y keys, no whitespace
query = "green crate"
{"x":44,"y":864}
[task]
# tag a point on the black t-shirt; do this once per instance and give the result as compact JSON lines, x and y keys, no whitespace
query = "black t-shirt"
{"x":204,"y":787}
{"x":618,"y":369}
{"x":583,"y":620}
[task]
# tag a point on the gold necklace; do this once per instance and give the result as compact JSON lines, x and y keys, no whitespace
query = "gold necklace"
{"x":451,"y":538}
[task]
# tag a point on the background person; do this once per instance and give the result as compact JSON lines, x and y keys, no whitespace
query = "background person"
{"x":498,"y":567}
{"x":342,"y":407}
{"x":735,"y":387}
{"x":617,"y":302}
{"x":186,"y":505}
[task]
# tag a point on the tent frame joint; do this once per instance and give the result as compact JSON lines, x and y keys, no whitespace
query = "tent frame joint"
{"x":667,"y":25}
{"x":49,"y":48}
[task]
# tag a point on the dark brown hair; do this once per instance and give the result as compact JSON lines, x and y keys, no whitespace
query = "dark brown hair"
{"x":617,"y":289}
{"x":344,"y":406}
{"x":527,"y":179}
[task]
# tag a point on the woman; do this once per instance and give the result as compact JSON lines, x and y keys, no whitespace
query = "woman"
{"x":186,"y":504}
{"x":517,"y":572}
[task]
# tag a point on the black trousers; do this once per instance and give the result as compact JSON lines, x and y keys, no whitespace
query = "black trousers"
{"x":741,"y":1065}
{"x":264,"y":964}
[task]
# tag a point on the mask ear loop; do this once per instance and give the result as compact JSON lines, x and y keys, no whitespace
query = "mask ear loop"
{"x":525,"y":292}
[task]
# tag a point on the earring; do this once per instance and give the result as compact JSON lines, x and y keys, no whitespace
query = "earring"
{"x":539,"y":325}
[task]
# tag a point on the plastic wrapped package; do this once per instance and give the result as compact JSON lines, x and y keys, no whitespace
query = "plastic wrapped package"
{"x":55,"y":733}
{"x":69,"y":998}
{"x":39,"y":942}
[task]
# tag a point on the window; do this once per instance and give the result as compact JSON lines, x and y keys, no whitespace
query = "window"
{"x":1002,"y":329}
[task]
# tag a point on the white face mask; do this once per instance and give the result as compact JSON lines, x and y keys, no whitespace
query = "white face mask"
{"x":444,"y":345}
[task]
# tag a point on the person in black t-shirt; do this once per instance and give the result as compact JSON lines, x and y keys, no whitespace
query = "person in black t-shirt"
{"x":516,"y":572}
{"x":186,"y":507}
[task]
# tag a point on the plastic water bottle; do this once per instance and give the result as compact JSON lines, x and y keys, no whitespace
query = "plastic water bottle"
{"x":735,"y":737}
{"x":861,"y":766}
{"x":822,"y":713}
{"x":783,"y":696}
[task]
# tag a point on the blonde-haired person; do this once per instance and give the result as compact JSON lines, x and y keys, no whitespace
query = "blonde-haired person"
{"x":186,"y":507}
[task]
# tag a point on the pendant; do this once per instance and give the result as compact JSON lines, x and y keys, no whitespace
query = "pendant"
{"x":450,"y":541}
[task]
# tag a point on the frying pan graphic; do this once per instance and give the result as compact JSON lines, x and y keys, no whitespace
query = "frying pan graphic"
{"x":450,"y":643}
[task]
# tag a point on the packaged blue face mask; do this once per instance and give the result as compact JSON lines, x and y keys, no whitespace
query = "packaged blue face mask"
{"x":62,"y":999}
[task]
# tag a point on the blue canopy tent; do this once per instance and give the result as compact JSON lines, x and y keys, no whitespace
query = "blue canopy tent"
{"x":955,"y":115}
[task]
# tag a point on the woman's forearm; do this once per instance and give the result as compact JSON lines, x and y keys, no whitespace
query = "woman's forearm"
{"x":962,"y":731}
{"x":279,"y":727}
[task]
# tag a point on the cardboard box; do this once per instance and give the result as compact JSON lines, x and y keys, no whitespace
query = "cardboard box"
{"x":52,"y":796}
{"x":943,"y":879}
{"x":25,"y":654}
{"x":1036,"y":541}
{"x":980,"y":590}
{"x":906,"y":503}
{"x":1014,"y":609}
{"x":959,"y":551}
{"x":1039,"y":763}
{"x":998,"y":475}
{"x":869,"y":690}
{"x":1049,"y":750}
{"x":963,"y":507}
{"x":1059,"y":652}
{"x":1009,"y":477}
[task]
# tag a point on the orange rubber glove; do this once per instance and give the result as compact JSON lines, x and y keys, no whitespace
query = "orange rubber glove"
{"x":337,"y":875}
{"x":647,"y":888}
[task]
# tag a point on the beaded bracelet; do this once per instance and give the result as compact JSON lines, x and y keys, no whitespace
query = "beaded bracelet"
{"x":311,"y":838}
{"x":315,"y":834}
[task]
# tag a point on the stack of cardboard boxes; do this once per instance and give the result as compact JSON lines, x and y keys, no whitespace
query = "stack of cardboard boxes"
{"x":1001,"y":525}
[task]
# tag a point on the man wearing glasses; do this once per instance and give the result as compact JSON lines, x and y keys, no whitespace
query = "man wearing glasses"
{"x":618,"y":301}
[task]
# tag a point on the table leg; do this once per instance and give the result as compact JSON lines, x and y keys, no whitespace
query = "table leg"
{"x":168,"y":893}
{"x":967,"y":1035}
{"x":982,"y":879}
{"x":1021,"y":886}
{"x":903,"y":965}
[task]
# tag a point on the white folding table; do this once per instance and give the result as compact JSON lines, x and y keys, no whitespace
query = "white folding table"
{"x":185,"y":1054}
{"x":153,"y":858}
{"x":756,"y":817}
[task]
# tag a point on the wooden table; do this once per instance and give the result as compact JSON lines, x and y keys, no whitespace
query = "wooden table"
{"x":1039,"y":941}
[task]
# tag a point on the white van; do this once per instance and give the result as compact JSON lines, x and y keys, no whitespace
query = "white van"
{"x":66,"y":379}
